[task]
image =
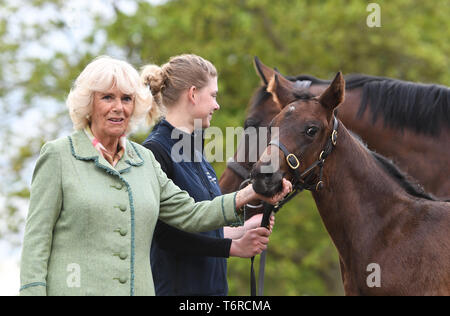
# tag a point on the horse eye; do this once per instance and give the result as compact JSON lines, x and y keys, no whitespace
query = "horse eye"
{"x":311,"y":131}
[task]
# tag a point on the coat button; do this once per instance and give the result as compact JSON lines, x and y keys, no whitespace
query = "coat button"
{"x":123,"y":255}
{"x":121,"y":207}
{"x":122,"y":231}
{"x":122,"y":280}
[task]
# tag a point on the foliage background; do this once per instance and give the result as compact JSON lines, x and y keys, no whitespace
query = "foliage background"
{"x":45,"y":44}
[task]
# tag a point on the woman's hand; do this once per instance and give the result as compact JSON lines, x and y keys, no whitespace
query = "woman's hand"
{"x":247,"y":195}
{"x":251,"y":244}
{"x":255,"y":221}
{"x":287,"y":188}
{"x":236,"y":233}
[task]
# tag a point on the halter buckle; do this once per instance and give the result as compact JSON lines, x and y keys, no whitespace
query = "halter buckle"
{"x":289,"y":162}
{"x":321,"y":155}
{"x":319,"y":185}
{"x":334,"y":137}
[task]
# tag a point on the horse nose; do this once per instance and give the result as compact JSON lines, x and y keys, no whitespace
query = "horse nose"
{"x":266,"y":183}
{"x":265,"y":176}
{"x":257,"y":174}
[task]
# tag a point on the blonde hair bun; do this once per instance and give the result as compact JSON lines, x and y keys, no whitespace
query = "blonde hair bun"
{"x":168,"y":82}
{"x":153,"y":77}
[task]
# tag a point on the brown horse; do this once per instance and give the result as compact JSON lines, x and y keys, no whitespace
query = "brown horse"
{"x":260,"y":113}
{"x":392,"y":238}
{"x":408,"y":122}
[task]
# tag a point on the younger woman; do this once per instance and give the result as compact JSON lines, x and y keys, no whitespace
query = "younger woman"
{"x":185,"y":90}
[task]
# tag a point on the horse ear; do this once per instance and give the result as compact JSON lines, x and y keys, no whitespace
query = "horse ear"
{"x":281,"y":90}
{"x":264,"y":72}
{"x":334,"y":94}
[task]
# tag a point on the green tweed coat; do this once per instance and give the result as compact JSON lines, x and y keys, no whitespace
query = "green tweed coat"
{"x":90,"y":226}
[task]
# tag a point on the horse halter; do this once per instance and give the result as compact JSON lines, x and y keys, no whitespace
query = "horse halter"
{"x":302,"y":180}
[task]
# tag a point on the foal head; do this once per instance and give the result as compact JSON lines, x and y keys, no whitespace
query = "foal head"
{"x":303,"y":127}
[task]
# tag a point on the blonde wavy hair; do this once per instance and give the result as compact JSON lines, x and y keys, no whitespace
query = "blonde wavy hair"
{"x":100,"y":75}
{"x":168,"y":81}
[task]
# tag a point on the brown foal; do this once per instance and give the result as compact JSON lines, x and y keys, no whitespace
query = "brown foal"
{"x":375,"y":217}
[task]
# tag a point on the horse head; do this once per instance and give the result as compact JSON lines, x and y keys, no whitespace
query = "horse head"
{"x":300,"y":134}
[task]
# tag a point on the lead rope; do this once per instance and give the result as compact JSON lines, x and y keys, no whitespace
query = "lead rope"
{"x":265,"y":222}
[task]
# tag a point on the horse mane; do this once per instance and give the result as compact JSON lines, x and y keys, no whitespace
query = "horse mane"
{"x":410,"y":185}
{"x":407,"y":182}
{"x":423,"y":108}
{"x":352,"y":81}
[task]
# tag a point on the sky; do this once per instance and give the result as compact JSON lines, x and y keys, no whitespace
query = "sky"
{"x":80,"y":25}
{"x":9,"y":270}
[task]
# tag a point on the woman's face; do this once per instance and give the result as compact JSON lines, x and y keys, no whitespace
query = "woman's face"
{"x":206,"y":102}
{"x":111,"y":113}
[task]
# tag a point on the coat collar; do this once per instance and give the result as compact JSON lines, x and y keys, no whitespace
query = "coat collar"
{"x":82,"y":149}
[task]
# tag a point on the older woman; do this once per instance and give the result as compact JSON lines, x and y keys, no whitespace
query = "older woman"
{"x":96,"y":196}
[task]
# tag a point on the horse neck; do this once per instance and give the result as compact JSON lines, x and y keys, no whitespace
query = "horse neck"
{"x":384,"y":139}
{"x":356,"y":196}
